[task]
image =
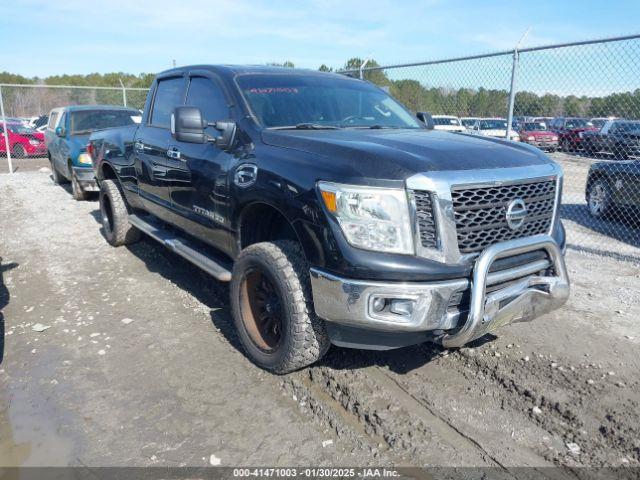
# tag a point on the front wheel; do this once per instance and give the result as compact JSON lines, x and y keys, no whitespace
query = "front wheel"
{"x":58,"y":179}
{"x":599,"y":199}
{"x":19,"y":151}
{"x":77,"y":190}
{"x":272,"y":307}
{"x":115,"y":216}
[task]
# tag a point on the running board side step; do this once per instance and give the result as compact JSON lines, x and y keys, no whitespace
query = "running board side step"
{"x":183,"y":247}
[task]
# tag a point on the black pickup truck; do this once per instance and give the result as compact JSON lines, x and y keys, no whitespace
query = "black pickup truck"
{"x":337,"y":216}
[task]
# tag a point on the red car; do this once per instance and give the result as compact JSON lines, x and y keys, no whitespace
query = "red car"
{"x":537,"y":134}
{"x":23,"y":141}
{"x":570,"y":131}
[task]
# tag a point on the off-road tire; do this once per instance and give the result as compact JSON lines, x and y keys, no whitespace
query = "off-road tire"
{"x":599,"y":201}
{"x":77,"y":191}
{"x":115,"y":216}
{"x":304,"y":339}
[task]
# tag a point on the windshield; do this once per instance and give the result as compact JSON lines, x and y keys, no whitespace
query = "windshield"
{"x":86,"y":121}
{"x":446,"y":121}
{"x":534,"y":127}
{"x":20,"y":129}
{"x":493,"y":125}
{"x":468,"y":122}
{"x":314,"y":101}
{"x":598,"y":122}
{"x":577,"y":123}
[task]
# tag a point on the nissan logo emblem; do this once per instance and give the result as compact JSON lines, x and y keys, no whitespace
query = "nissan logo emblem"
{"x":516,"y":213}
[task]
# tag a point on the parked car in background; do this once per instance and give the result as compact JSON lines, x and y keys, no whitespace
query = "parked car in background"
{"x":468,"y":122}
{"x":613,"y":186}
{"x":39,"y":122}
{"x":620,"y":138}
{"x":598,"y":122}
{"x":570,"y":131}
{"x":536,"y":133}
{"x":23,"y":141}
{"x":67,"y":136}
{"x":546,"y":120}
{"x":448,"y":123}
{"x":494,"y":127}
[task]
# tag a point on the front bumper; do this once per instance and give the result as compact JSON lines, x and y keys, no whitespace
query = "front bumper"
{"x":518,"y":294}
{"x":544,"y":145}
{"x":86,"y":178}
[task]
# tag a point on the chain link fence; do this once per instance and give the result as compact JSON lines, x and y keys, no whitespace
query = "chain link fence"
{"x":579,"y":102}
{"x":24,"y":111}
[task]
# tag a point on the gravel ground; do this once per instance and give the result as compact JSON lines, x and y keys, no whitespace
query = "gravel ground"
{"x":140,"y":366}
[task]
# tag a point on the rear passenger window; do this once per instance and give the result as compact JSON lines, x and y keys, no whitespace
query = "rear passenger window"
{"x":169,"y":95}
{"x":205,"y":94}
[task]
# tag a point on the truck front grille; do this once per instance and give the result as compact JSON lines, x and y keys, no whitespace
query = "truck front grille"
{"x":480,"y":213}
{"x":426,"y":219}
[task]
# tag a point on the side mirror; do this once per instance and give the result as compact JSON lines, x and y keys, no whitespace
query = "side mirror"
{"x":227,"y":129}
{"x":426,"y":118}
{"x":187,"y":125}
{"x":60,"y":131}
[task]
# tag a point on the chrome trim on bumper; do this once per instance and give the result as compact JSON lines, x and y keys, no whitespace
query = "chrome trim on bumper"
{"x":522,"y":302}
{"x":350,"y":302}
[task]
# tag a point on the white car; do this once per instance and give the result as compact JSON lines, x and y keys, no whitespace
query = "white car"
{"x":469,"y":122}
{"x":494,"y":127}
{"x":448,"y":123}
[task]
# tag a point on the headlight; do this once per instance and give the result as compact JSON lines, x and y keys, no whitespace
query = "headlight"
{"x":531,"y":138}
{"x":84,"y":159}
{"x":581,"y":134}
{"x":371,"y":218}
{"x":34,"y":142}
{"x":554,"y":138}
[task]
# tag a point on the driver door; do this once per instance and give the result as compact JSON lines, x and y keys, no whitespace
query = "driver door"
{"x":198,"y":173}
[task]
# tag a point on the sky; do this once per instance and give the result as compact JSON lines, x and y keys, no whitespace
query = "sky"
{"x":44,"y":37}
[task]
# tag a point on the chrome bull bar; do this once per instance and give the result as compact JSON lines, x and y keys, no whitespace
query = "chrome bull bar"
{"x":520,"y":302}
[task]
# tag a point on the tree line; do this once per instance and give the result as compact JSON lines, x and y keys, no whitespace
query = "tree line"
{"x":417,"y":96}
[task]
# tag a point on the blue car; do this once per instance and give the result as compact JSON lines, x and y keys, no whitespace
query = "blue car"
{"x":67,"y":136}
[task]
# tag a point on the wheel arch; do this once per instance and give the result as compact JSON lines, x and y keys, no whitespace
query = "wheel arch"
{"x":261,"y":221}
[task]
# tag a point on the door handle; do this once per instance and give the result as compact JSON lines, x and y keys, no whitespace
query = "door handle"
{"x":174,"y":153}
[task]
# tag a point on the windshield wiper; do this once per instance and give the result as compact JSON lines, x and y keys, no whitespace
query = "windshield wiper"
{"x":374,"y":127}
{"x":307,"y":126}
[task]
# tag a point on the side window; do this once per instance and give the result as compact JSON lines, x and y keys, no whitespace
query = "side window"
{"x":208,"y":96}
{"x":169,"y":95}
{"x":52,"y":120}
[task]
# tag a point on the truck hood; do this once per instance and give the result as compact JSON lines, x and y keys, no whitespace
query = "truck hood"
{"x":396,"y":154}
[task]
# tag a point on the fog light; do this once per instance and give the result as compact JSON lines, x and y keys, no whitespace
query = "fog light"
{"x":379,"y":304}
{"x":402,"y":307}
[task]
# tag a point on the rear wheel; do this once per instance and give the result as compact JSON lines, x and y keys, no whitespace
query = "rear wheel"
{"x":599,"y":199}
{"x":115,"y":216}
{"x":76,"y":189}
{"x":272,"y":307}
